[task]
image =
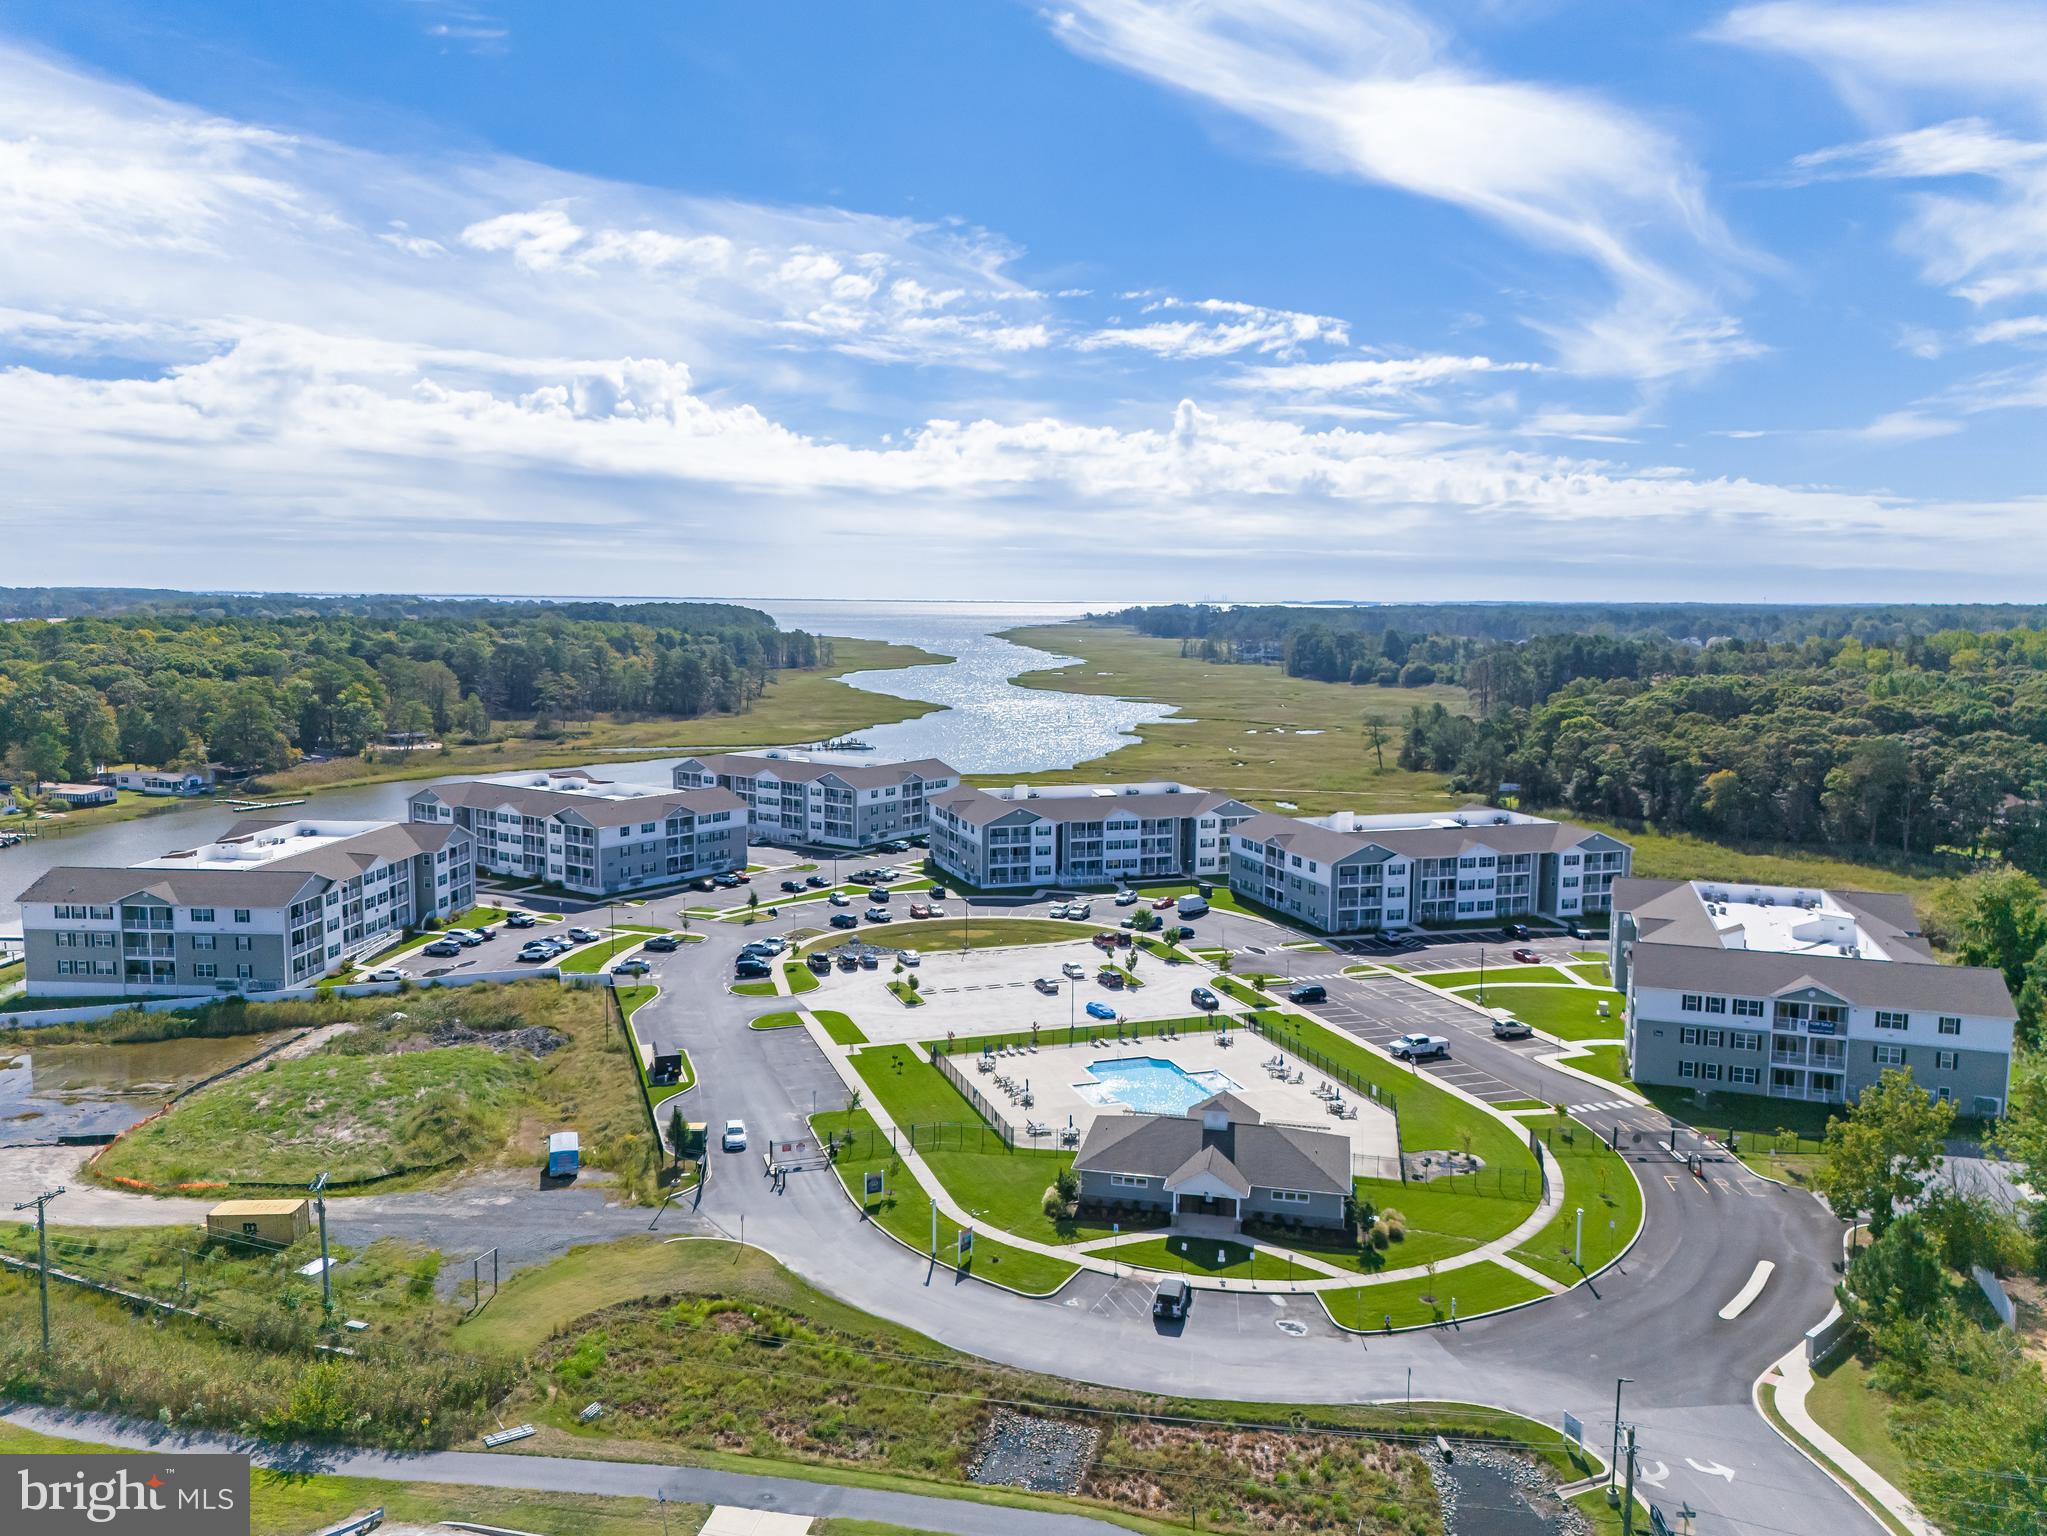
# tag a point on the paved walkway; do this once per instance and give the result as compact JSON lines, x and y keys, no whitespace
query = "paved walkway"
{"x":1320,"y":1276}
{"x":1792,"y":1377}
{"x":563,"y":1474}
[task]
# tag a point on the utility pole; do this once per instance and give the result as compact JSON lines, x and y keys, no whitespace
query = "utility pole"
{"x":319,"y":1190}
{"x":1613,"y":1466}
{"x":41,"y":1203}
{"x":1628,"y":1503}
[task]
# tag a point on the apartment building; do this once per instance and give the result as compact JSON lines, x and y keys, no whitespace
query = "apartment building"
{"x":273,"y":904}
{"x":1795,"y":993}
{"x":825,"y":800}
{"x":1082,"y":834}
{"x":589,"y":835}
{"x":1349,"y":874}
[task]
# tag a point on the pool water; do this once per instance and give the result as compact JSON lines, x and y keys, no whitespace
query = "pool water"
{"x":1151,"y":1086}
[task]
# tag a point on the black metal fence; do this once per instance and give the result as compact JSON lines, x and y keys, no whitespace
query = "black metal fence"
{"x":869,"y":1143}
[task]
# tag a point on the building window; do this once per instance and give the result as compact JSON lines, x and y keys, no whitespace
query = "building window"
{"x":1291,"y":1197}
{"x":1128,"y":1181}
{"x":1886,"y":1020}
{"x":1889,"y":1055}
{"x":202,"y":914}
{"x":1744,"y":1040}
{"x":242,"y":913}
{"x":1950,"y":1025}
{"x":1748,"y":1007}
{"x":1716,"y":1005}
{"x":1692,"y":1002}
{"x":1747,"y":1076}
{"x":1946,"y":1061}
{"x":203,"y":941}
{"x":1688,"y":1069}
{"x":243,"y":941}
{"x":205,"y":971}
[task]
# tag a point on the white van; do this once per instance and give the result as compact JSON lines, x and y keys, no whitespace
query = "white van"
{"x":1191,"y":906}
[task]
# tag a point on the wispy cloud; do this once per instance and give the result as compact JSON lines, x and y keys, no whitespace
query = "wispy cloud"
{"x":1217,"y":328}
{"x":1371,"y":376}
{"x":1371,"y":90}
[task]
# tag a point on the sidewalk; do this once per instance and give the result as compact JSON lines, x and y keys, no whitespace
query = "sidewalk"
{"x":1792,"y":1378}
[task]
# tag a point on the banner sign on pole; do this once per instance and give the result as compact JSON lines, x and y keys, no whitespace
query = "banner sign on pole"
{"x":871,"y":1184}
{"x":966,"y":1243}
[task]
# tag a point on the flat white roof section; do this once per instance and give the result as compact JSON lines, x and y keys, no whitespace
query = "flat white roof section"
{"x":575,"y":783}
{"x":1022,"y":792}
{"x":287,"y":840}
{"x":1422,"y":821}
{"x":1785,"y":920}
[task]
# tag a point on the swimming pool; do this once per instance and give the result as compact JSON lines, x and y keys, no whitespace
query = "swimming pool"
{"x":1151,"y":1086}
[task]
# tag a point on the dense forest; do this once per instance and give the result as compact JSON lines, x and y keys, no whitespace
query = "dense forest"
{"x":249,"y":681}
{"x":1274,"y":625}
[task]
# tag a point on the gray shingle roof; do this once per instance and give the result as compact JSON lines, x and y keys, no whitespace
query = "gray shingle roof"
{"x":597,"y":811}
{"x":1678,"y":949}
{"x":878,"y":775}
{"x":1267,"y":1156}
{"x":1329,"y":846}
{"x":980,"y":807}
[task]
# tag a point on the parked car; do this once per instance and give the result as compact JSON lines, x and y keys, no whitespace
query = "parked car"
{"x":920,"y":909}
{"x":1112,"y":979}
{"x":751,"y":968}
{"x":758,"y":949}
{"x":662,"y":944}
{"x":1579,"y":931}
{"x":1308,"y":992}
{"x":848,"y":961}
{"x":939,"y":892}
{"x":1517,"y":930}
{"x":820,"y":962}
{"x":484,"y":931}
{"x":734,"y":1139}
{"x":909,"y":957}
{"x":520,"y":920}
{"x":585,"y":935}
{"x":442,"y":948}
{"x":462,"y":938}
{"x":934,"y":911}
{"x":1074,"y":969}
{"x":705,"y":884}
{"x":840,"y":899}
{"x":816,"y":882}
{"x":869,"y":960}
{"x":1205,"y":999}
{"x":1419,"y":1047}
{"x":1171,"y":1297}
{"x":1100,"y":1011}
{"x":534,"y":956}
{"x":773,"y":944}
{"x":1079,"y":911}
{"x":1126,"y":898}
{"x":897,"y":846}
{"x":1057,"y":909}
{"x":792,"y":885}
{"x":879,"y":915}
{"x":1046,"y":985}
{"x":1527,"y":957}
{"x":387,"y":973}
{"x":878,"y":893}
{"x":725,"y":882}
{"x":1174,"y":935}
{"x":845,"y":920}
{"x":1510,"y":1029}
{"x":741,"y":877}
{"x":633,"y":966}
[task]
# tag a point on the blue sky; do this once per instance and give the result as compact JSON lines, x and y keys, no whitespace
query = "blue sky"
{"x":1113,"y":299}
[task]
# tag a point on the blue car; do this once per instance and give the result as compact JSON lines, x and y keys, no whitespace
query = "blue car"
{"x":1100,"y":1011}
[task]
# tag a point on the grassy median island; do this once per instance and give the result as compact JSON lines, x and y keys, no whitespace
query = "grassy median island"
{"x":1568,"y":1012}
{"x":934,"y":936}
{"x":1471,"y":1288}
{"x":1598,"y":1181}
{"x":422,"y":1083}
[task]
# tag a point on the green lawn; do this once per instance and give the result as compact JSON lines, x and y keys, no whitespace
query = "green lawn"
{"x":784,"y":1020}
{"x":839,"y":1026}
{"x":1231,"y":987}
{"x":1595,"y":1178}
{"x":1207,"y":1256}
{"x":801,"y":978}
{"x":469,"y":919}
{"x":632,"y":999}
{"x":753,"y":989}
{"x":1442,"y":1222}
{"x":1682,"y":856}
{"x":906,"y":994}
{"x":1005,"y":1185}
{"x":1594,"y":971}
{"x":1849,"y":1407}
{"x":971,"y":933}
{"x":904,"y":1210}
{"x":1569,"y":1013}
{"x":1476,"y":1288}
{"x":1603,"y":1061}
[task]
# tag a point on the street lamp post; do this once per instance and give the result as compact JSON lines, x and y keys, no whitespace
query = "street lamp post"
{"x":1613,"y":1466}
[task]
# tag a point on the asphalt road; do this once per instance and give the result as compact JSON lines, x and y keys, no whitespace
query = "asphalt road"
{"x":1653,"y":1319}
{"x":562,"y":1474}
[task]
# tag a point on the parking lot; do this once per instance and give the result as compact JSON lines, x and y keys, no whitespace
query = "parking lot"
{"x":990,"y":991}
{"x":1379,"y":1008}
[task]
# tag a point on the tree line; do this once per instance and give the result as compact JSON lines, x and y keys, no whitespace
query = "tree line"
{"x":186,"y":681}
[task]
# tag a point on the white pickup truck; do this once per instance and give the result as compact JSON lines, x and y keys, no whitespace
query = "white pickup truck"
{"x":1419,"y":1047}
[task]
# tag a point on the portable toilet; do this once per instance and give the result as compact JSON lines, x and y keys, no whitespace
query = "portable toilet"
{"x":564,"y":1155}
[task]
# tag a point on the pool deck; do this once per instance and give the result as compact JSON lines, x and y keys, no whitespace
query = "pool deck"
{"x":1056,"y":1075}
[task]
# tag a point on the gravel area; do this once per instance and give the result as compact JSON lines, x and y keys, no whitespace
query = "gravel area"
{"x":1044,"y":1455}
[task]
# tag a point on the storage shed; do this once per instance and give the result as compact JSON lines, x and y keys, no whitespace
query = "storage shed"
{"x":274,"y":1223}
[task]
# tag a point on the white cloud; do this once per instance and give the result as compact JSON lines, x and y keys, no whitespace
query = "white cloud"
{"x":1371,"y":376}
{"x":2017,"y":328}
{"x":1369,"y":89}
{"x":1966,"y":46}
{"x":1908,"y":426}
{"x":1228,"y":326}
